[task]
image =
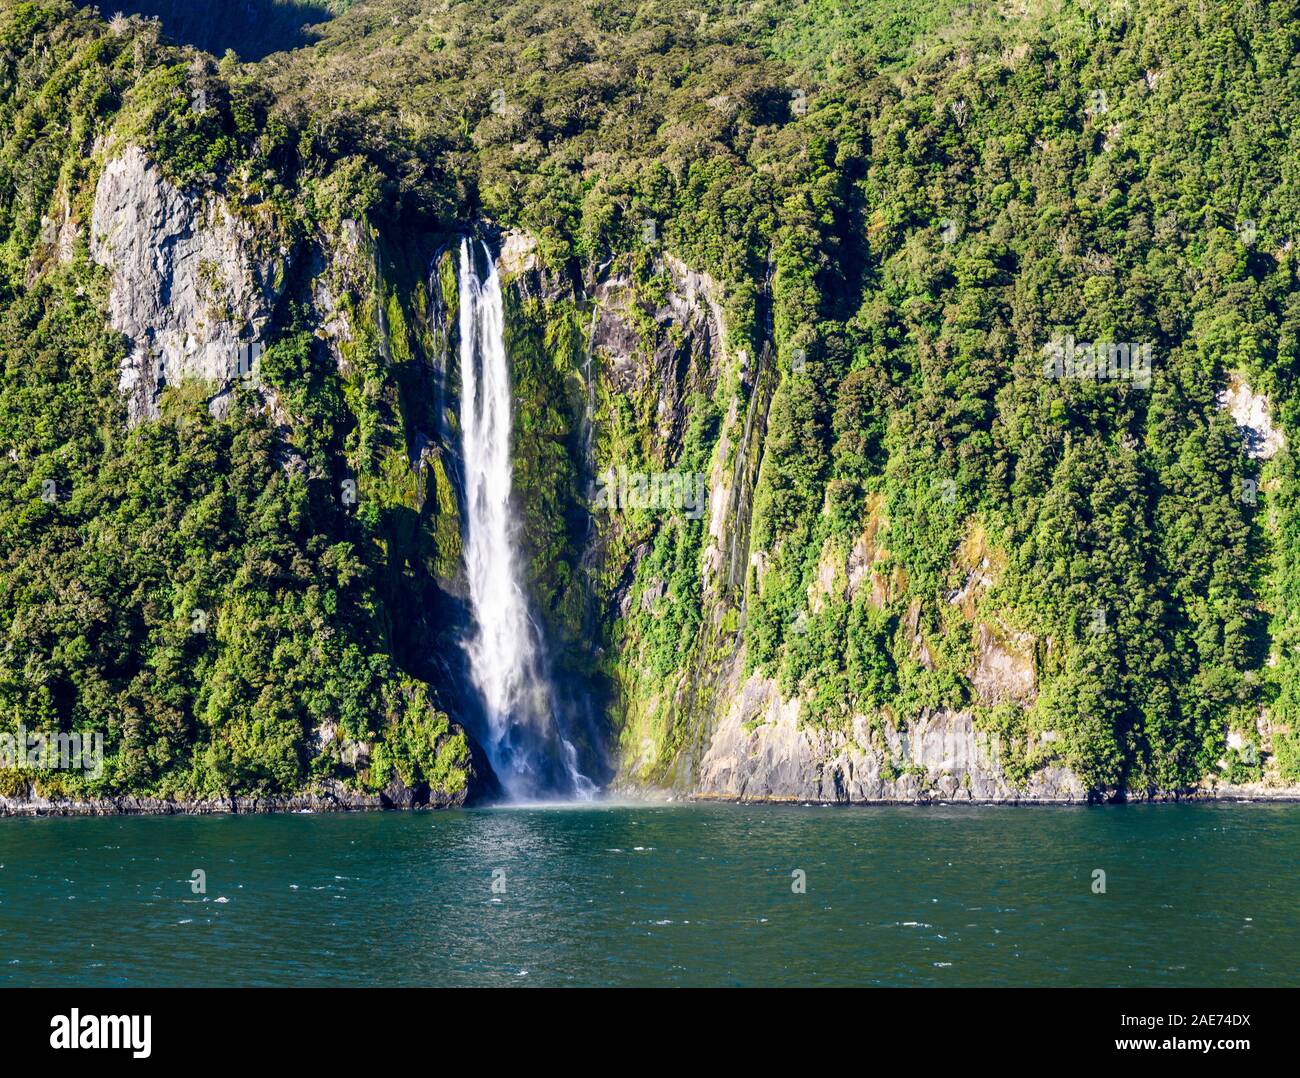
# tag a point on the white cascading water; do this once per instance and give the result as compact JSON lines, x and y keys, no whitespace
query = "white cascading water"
{"x":530,"y":754}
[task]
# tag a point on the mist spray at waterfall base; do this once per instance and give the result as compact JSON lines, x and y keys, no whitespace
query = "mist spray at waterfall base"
{"x":529,"y":752}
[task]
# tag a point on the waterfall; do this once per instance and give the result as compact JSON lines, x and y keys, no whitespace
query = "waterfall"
{"x":523,"y":738}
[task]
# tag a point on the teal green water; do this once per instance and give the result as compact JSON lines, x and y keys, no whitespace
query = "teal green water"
{"x":671,"y":895}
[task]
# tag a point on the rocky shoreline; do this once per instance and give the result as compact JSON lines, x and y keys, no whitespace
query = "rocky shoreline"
{"x":341,"y":800}
{"x":329,"y":797}
{"x":1232,"y":795}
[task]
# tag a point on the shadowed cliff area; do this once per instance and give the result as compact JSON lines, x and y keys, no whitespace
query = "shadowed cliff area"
{"x":252,"y":29}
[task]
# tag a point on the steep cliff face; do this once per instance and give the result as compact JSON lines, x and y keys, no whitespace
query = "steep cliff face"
{"x":672,"y":582}
{"x":192,"y":286}
{"x":696,"y":719}
{"x":760,"y":750}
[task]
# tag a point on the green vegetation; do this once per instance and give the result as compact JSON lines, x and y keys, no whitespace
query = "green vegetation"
{"x":196,"y":590}
{"x":916,"y":197}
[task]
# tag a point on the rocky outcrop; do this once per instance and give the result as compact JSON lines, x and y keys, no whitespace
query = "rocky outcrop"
{"x":1213,"y":790}
{"x":57,"y":240}
{"x":518,"y":254}
{"x":350,"y":753}
{"x":761,"y":752}
{"x":192,"y":285}
{"x":1254,"y":417}
{"x":685,"y":349}
{"x":868,"y":558}
{"x":1004,"y":667}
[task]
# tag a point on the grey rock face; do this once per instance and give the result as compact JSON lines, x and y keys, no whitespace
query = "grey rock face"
{"x":1004,"y":667}
{"x":518,"y":253}
{"x":193,"y":286}
{"x":678,"y":361}
{"x":686,"y":356}
{"x":761,"y":752}
{"x":1254,"y":416}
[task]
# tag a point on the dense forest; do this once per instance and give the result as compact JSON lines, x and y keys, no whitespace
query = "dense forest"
{"x":905,"y":206}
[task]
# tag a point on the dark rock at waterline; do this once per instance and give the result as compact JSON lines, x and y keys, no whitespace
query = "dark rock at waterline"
{"x":483,"y":782}
{"x":328,"y":796}
{"x":398,"y":795}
